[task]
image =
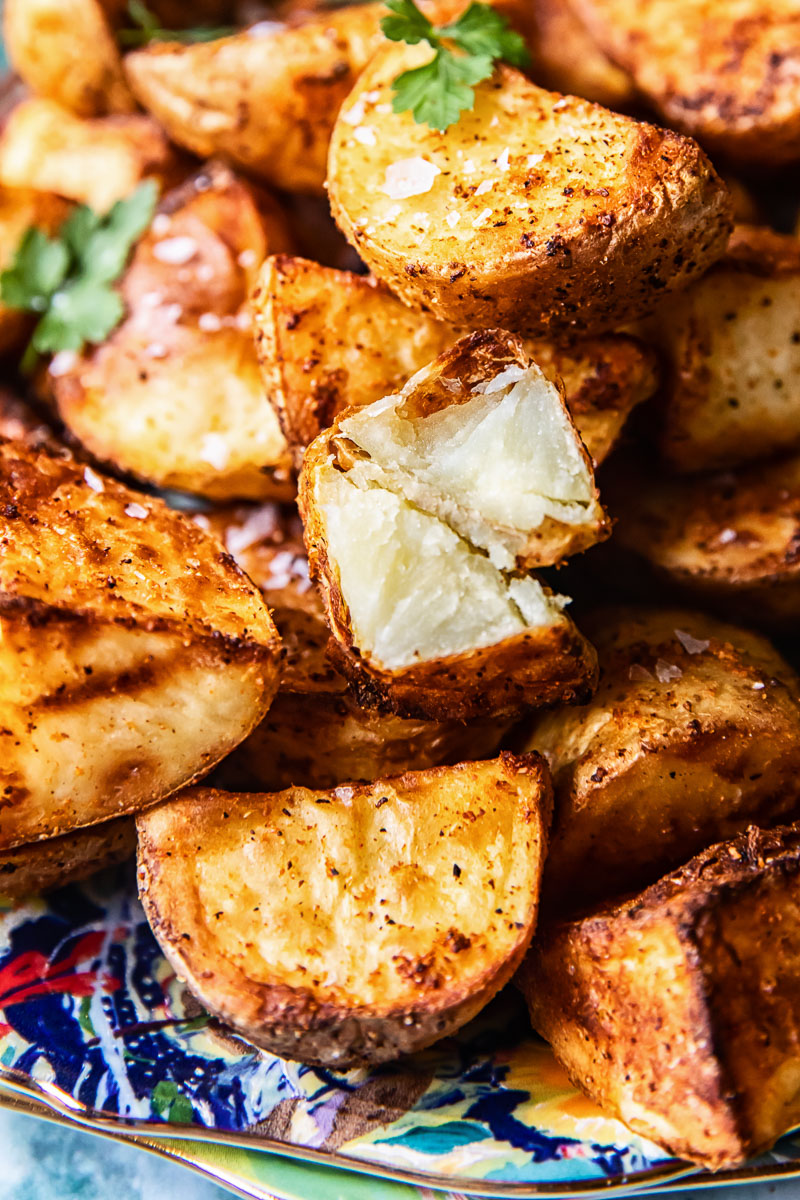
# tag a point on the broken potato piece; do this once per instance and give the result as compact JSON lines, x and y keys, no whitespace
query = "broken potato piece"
{"x":356,"y":925}
{"x":536,"y":212}
{"x":421,"y":511}
{"x":315,"y":732}
{"x":42,"y":866}
{"x":676,"y":1009}
{"x":329,"y":340}
{"x":134,"y":653}
{"x":174,"y":395}
{"x":692,"y":735}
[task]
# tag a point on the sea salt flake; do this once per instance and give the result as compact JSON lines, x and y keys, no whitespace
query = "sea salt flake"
{"x":727,"y":536}
{"x":175,"y":251}
{"x":502,"y":161}
{"x":209,"y":322}
{"x":136,"y":510}
{"x":560,"y":105}
{"x":260,"y":524}
{"x":667,"y":672}
{"x":63,"y":362}
{"x":484,"y":187}
{"x":365,"y":134}
{"x":758,"y":687}
{"x":161,"y":224}
{"x":355,"y":115}
{"x":639,"y":673}
{"x":215,"y":451}
{"x":93,"y":479}
{"x":533,"y":160}
{"x":156,"y":350}
{"x":691,"y":645}
{"x":452,"y":219}
{"x":409,"y":177}
{"x":482,"y":218}
{"x":265,"y":28}
{"x":247,"y":258}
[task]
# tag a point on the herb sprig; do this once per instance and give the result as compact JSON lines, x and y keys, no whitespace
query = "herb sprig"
{"x":148,"y":29}
{"x":465,"y":53}
{"x":66,"y":280}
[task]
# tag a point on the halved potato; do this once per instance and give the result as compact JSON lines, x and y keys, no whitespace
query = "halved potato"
{"x":315,"y":732}
{"x":536,"y":212}
{"x":723,"y":70}
{"x":174,"y":396}
{"x":729,"y":540}
{"x":19,"y":209}
{"x":355,"y":925}
{"x":677,"y":1009}
{"x":54,"y":862}
{"x":134,"y":653}
{"x":733,"y":343}
{"x":330,"y":339}
{"x":566,"y":58}
{"x":693,"y":734}
{"x":419,"y":511}
{"x":65,"y":50}
{"x":94,"y":161}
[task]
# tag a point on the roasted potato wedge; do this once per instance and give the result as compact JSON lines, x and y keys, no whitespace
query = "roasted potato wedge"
{"x":693,"y":734}
{"x":94,"y":161}
{"x":676,"y":1010}
{"x":43,"y":866}
{"x":315,"y":733}
{"x":329,"y":339}
{"x":134,"y":653}
{"x":733,"y":346}
{"x":417,"y":506}
{"x":724,"y":71}
{"x":535,"y":212}
{"x":566,"y":58}
{"x":174,"y":396}
{"x":727,"y":540}
{"x":401,"y":906}
{"x":65,"y":50}
{"x":19,"y":209}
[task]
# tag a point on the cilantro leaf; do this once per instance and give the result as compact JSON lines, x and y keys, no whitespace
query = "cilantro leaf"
{"x":148,"y":29}
{"x":83,"y":311}
{"x":440,"y":90}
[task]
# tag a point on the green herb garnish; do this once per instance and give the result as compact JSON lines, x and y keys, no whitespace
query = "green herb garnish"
{"x":148,"y":29}
{"x":466,"y":52}
{"x":67,"y":279}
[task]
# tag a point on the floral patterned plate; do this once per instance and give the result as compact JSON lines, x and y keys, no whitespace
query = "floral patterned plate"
{"x":96,"y":1029}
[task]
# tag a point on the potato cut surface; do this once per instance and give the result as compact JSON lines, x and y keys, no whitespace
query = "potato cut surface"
{"x":134,"y":653}
{"x":356,"y":924}
{"x":535,"y":212}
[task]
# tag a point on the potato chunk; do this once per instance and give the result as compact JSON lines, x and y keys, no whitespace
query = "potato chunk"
{"x":566,"y":58}
{"x":54,"y":862}
{"x":419,"y":511}
{"x":174,"y":396}
{"x":676,"y":1010}
{"x":693,"y":734}
{"x":329,"y":340}
{"x":134,"y":654}
{"x":536,"y":212}
{"x":733,"y":341}
{"x":96,"y":162}
{"x":356,"y":925}
{"x":315,"y":733}
{"x":723,"y":70}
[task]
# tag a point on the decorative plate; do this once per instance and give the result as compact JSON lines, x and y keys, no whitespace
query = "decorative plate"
{"x":96,"y":1029}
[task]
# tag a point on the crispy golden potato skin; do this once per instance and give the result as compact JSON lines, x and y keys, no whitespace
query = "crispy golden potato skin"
{"x":724,"y":71}
{"x":43,"y":866}
{"x":733,"y":345}
{"x":93,"y":161}
{"x":19,"y":209}
{"x":728,"y":540}
{"x":65,"y":50}
{"x":315,"y":733}
{"x":566,"y":58}
{"x":658,"y":766}
{"x":676,"y":1009}
{"x":174,"y":395}
{"x":438,"y":956}
{"x":134,"y":653}
{"x":328,"y":340}
{"x":545,"y":248}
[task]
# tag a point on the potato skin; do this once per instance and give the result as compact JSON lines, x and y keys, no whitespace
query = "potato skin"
{"x":65,"y":50}
{"x":544,"y":250}
{"x":54,"y":862}
{"x":724,"y":71}
{"x":732,"y":345}
{"x":727,"y":541}
{"x":329,"y":339}
{"x":134,"y":653}
{"x":659,"y":765}
{"x":432,"y":977}
{"x":676,"y":1009}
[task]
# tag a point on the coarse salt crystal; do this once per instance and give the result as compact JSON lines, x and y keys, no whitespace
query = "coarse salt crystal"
{"x":481,"y":218}
{"x":383,"y":108}
{"x":757,"y":687}
{"x":259,"y":525}
{"x":209,"y":322}
{"x":265,"y":28}
{"x":161,"y":224}
{"x":502,"y":161}
{"x":560,"y":104}
{"x":247,"y":258}
{"x":214,"y":450}
{"x":691,"y":645}
{"x":391,"y":214}
{"x":638,"y":672}
{"x":205,"y":272}
{"x":156,"y":350}
{"x":533,"y":160}
{"x":244,"y":320}
{"x":452,"y":219}
{"x":152,"y":299}
{"x":93,"y":479}
{"x":173,"y":313}
{"x":409,"y":177}
{"x":365,"y":134}
{"x":175,"y":251}
{"x":667,"y":672}
{"x":469,"y":166}
{"x":202,"y":520}
{"x":63,"y":362}
{"x":136,"y":510}
{"x":727,"y":536}
{"x":495,"y":121}
{"x":484,"y":187}
{"x":355,"y":115}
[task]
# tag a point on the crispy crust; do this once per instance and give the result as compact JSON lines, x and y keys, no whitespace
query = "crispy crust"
{"x":676,"y":1009}
{"x":43,"y":866}
{"x":549,"y":256}
{"x":325,"y":1025}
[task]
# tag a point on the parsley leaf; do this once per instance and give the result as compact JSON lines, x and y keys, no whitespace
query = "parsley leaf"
{"x":439,"y":91}
{"x":67,"y":280}
{"x":148,"y":29}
